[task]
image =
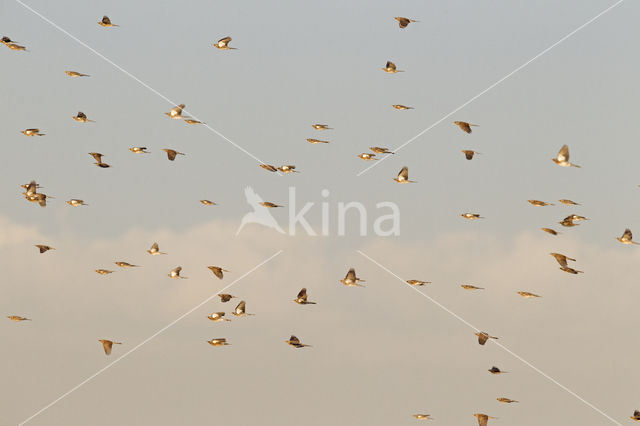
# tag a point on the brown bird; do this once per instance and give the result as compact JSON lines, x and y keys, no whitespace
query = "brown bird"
{"x":125,"y":264}
{"x":301,"y":299}
{"x":175,"y":273}
{"x":401,"y":107}
{"x":483,"y":419}
{"x":627,"y":237}
{"x":403,"y":22}
{"x":226,"y":297}
{"x":367,"y":156}
{"x":380,"y":150}
{"x":192,"y":121}
{"x":82,"y":118}
{"x":139,"y":150}
{"x":32,"y":132}
{"x":496,"y":370}
{"x":240,"y":310}
{"x":208,"y":202}
{"x":44,"y":248}
{"x":550,"y":231}
{"x":321,"y":127}
{"x":218,"y":317}
{"x":464,"y":126}
{"x":568,"y":222}
{"x":561,"y":258}
{"x":576,"y":217}
{"x":171,"y":154}
{"x":403,"y":176}
{"x":471,"y":287}
{"x":423,"y":416}
{"x":390,"y":67}
{"x":269,"y":167}
{"x":76,"y":202}
{"x":571,"y":270}
{"x":218,"y":342}
{"x":468,"y":154}
{"x":569,"y":202}
{"x":104,"y":271}
{"x":527,"y":295}
{"x":106,"y":22}
{"x":269,"y":205}
{"x":217,"y":271}
{"x":288,"y":169}
{"x":316,"y":141}
{"x":223,"y":44}
{"x":107,"y":345}
{"x":176,"y":112}
{"x":155,"y":250}
{"x":506,"y":400}
{"x":562,"y":159}
{"x":539,"y":203}
{"x":76,"y":74}
{"x":295,"y":342}
{"x":471,"y":216}
{"x":98,"y":157}
{"x":636,"y":416}
{"x":351,"y":280}
{"x":5,"y":40}
{"x":483,"y":337}
{"x":417,"y":282}
{"x":18,"y":318}
{"x":14,"y":46}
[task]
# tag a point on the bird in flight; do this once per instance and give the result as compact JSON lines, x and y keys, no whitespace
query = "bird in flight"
{"x":139,"y":150}
{"x":176,"y":112}
{"x":471,"y":216}
{"x":106,"y":22}
{"x":496,"y":370}
{"x":539,"y":203}
{"x":223,"y":44}
{"x":240,"y":310}
{"x":175,"y":273}
{"x":321,"y":127}
{"x":527,"y":295}
{"x":218,"y":317}
{"x":390,"y":68}
{"x":351,"y":280}
{"x":627,"y":237}
{"x":401,"y":107}
{"x":403,"y":176}
{"x":76,"y":74}
{"x":471,"y":287}
{"x":483,"y":419}
{"x":104,"y":271}
{"x":636,"y":416}
{"x":403,"y":22}
{"x":295,"y":342}
{"x":82,"y":118}
{"x":192,"y":121}
{"x":288,"y":169}
{"x":18,"y":318}
{"x":226,"y":297}
{"x":44,"y":248}
{"x":468,"y":154}
{"x":568,"y":202}
{"x":155,"y":250}
{"x":316,"y":141}
{"x":217,"y":271}
{"x":171,"y":154}
{"x":483,"y":337}
{"x":550,"y":231}
{"x":568,"y":222}
{"x":98,"y":157}
{"x":367,"y":156}
{"x":76,"y":202}
{"x":380,"y":150}
{"x":561,"y":259}
{"x":464,"y":126}
{"x":208,"y":202}
{"x":218,"y":342}
{"x":32,"y":132}
{"x":421,"y":416}
{"x":269,"y":205}
{"x":107,"y":345}
{"x":301,"y":299}
{"x":417,"y":283}
{"x":12,"y":44}
{"x":125,"y":264}
{"x":562,"y":159}
{"x":506,"y":400}
{"x":269,"y":167}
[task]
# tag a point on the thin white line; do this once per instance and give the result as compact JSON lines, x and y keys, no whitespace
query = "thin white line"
{"x":494,"y":85}
{"x":56,"y":26}
{"x":493,"y":341}
{"x":64,"y":395}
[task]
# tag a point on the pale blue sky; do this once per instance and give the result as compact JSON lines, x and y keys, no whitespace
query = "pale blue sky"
{"x":380,"y":353}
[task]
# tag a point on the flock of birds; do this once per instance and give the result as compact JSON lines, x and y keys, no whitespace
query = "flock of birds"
{"x":33,"y":194}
